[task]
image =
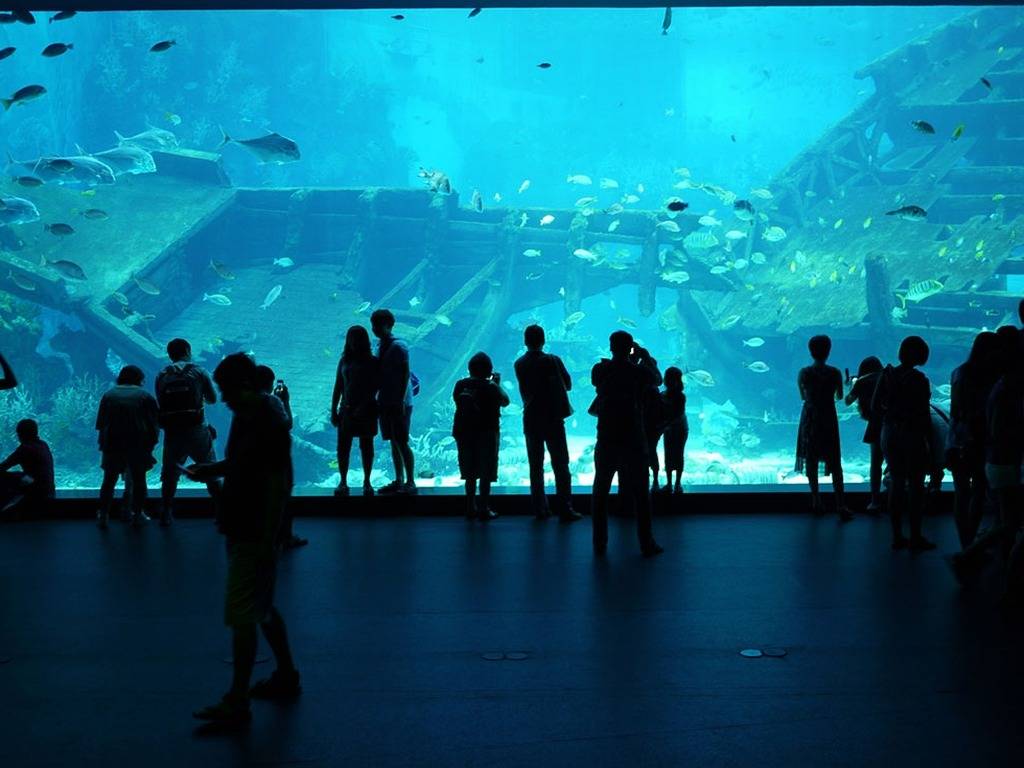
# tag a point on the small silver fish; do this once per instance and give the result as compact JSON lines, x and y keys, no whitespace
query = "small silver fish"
{"x":272,"y":296}
{"x":217,"y":298}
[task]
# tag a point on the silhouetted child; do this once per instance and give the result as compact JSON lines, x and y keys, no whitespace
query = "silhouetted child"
{"x":861,"y":392}
{"x":29,"y":489}
{"x":676,"y":427}
{"x":478,"y":403}
{"x":267,"y":383}
{"x":902,"y":400}
{"x":818,"y":436}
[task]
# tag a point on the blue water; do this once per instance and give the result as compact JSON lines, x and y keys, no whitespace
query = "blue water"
{"x":730,"y":95}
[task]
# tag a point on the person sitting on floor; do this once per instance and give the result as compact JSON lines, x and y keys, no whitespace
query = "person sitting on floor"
{"x":27,"y":491}
{"x":478,"y":403}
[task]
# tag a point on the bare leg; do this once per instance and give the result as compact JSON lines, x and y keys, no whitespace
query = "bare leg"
{"x":276,"y":633}
{"x":366,"y":453}
{"x":243,"y":645}
{"x":397,"y":461}
{"x":344,"y":457}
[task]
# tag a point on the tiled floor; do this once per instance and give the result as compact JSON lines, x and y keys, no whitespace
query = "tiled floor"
{"x":114,"y":638}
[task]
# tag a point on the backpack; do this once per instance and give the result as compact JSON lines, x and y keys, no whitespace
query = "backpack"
{"x":468,"y":414}
{"x":180,"y":397}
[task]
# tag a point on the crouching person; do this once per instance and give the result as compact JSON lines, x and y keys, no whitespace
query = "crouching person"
{"x":256,"y":470}
{"x":128,"y":426}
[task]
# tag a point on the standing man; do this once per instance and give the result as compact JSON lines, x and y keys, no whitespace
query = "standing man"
{"x":544,"y":386}
{"x":183,"y":390}
{"x":257,"y":472}
{"x":622,"y":384}
{"x":394,"y":400}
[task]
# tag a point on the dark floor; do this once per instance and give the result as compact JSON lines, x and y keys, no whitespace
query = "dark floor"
{"x":114,"y":638}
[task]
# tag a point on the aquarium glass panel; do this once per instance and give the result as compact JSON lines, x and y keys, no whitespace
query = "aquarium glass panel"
{"x":722,"y":183}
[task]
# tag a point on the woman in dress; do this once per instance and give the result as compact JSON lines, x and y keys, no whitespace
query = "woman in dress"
{"x":354,"y":405}
{"x":820,"y":387}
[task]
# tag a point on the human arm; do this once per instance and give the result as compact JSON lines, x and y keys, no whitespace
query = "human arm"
{"x":563,"y":373}
{"x":12,"y":460}
{"x":503,"y":399}
{"x":339,"y":387}
{"x":205,"y":472}
{"x":209,"y":393}
{"x":839,"y":385}
{"x":854,"y":392}
{"x":9,"y":381}
{"x":801,"y":383}
{"x":285,"y":398}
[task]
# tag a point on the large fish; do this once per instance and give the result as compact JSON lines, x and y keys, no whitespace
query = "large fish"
{"x":17,"y":210}
{"x":152,"y":140}
{"x":77,"y":170}
{"x":127,"y":159}
{"x":272,"y":149}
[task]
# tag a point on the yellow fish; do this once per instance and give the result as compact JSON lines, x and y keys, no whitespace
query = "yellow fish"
{"x":867,"y":222}
{"x":942,"y":251}
{"x":813,"y":281}
{"x":980,"y":245}
{"x":88,"y":193}
{"x":998,"y":196}
{"x":852,"y":270}
{"x":834,"y":277}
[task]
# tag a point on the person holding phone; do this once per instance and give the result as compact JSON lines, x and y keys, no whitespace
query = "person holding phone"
{"x":478,"y":403}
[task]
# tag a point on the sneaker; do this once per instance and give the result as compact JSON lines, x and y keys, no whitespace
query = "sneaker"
{"x":140,"y":518}
{"x":341,"y":490}
{"x":652,"y":549}
{"x":280,"y":685}
{"x":102,"y":518}
{"x":410,"y":489}
{"x":570,"y":515}
{"x":920,"y":544}
{"x":488,"y":514}
{"x":228,"y":711}
{"x":367,"y":489}
{"x":391,"y":488}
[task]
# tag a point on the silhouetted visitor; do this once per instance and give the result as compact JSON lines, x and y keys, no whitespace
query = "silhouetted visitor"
{"x":256,"y":471}
{"x":544,"y":385}
{"x":970,"y":387}
{"x":1004,"y":453}
{"x":26,"y":492}
{"x":861,"y":392}
{"x":653,"y":425}
{"x":1020,"y":311}
{"x":622,"y":384}
{"x":902,"y":399}
{"x":9,"y":380}
{"x":394,"y":400}
{"x":268,"y":384}
{"x":478,"y":403}
{"x":820,"y":387}
{"x":354,"y":405}
{"x":128,"y":424}
{"x":183,"y":389}
{"x":676,"y":428}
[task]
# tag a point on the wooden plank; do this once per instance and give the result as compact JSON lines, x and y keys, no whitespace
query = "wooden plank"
{"x":402,"y":284}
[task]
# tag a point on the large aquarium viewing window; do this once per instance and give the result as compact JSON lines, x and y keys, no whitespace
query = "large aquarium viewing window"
{"x":723,"y":183}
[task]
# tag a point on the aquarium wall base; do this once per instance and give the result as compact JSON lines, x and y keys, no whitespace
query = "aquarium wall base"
{"x":451,"y":503}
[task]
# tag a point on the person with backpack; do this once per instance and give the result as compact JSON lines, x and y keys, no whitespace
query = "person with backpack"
{"x":183,"y":390}
{"x":622,"y":384}
{"x":544,"y":385}
{"x":128,"y":424}
{"x":902,"y":402}
{"x":394,"y":400}
{"x":478,"y":403}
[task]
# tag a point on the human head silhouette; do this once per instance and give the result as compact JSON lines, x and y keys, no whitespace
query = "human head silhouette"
{"x":621,"y":344}
{"x":480,"y":366}
{"x":533,"y":337}
{"x":382,"y":322}
{"x":673,"y":378}
{"x":131,"y":375}
{"x":235,"y":376}
{"x":913,"y":351}
{"x":27,"y":429}
{"x":820,"y":347}
{"x":869,"y":365}
{"x":179,"y":349}
{"x":357,"y":344}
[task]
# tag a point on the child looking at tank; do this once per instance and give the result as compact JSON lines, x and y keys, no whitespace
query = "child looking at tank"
{"x":861,"y":391}
{"x":820,"y":387}
{"x":676,"y":427}
{"x":478,"y":403}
